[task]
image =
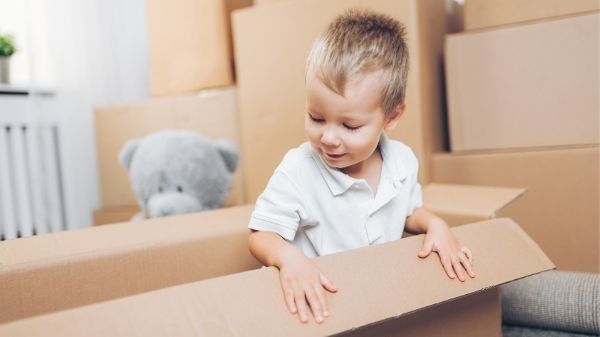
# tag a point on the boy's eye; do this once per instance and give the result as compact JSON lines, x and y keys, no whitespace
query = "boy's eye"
{"x":315,"y":119}
{"x":352,"y":127}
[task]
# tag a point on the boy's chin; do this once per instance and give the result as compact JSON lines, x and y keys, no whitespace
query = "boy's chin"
{"x":338,"y":165}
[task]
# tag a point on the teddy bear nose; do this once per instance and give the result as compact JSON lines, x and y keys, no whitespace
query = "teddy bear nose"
{"x":166,"y":211}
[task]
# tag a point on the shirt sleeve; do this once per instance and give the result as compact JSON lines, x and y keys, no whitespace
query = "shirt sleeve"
{"x":279,"y":208}
{"x":415,"y":199}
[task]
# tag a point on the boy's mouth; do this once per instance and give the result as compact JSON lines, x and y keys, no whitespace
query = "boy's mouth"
{"x":334,"y":156}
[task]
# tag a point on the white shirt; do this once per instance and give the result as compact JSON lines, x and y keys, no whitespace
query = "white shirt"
{"x":322,"y":210}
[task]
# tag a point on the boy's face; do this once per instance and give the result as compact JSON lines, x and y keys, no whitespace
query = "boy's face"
{"x":345,"y":130}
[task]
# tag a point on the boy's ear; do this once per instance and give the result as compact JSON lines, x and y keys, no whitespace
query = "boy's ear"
{"x":392,"y":120}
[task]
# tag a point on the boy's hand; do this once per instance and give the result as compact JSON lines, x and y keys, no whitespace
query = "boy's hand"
{"x":455,"y":259}
{"x":303,"y":284}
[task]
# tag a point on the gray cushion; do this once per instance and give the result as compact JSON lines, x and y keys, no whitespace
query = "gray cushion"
{"x":520,"y":331}
{"x":556,"y":300}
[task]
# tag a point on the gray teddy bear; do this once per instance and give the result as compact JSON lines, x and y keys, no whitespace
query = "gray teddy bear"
{"x":178,"y":171}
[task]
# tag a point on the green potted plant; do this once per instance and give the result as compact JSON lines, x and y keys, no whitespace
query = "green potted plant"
{"x":7,"y":48}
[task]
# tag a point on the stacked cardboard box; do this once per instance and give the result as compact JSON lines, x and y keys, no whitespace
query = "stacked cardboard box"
{"x":480,"y":14}
{"x":529,"y":85}
{"x":212,"y":113}
{"x":190,"y":45}
{"x":523,"y":110}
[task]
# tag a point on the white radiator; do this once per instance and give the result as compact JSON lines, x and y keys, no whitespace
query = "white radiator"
{"x":31,"y":193}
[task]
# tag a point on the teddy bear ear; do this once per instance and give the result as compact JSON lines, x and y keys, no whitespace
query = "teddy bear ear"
{"x":229,"y":153}
{"x":127,"y":151}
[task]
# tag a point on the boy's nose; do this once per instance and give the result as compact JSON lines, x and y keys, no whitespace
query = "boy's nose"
{"x":330,"y":138}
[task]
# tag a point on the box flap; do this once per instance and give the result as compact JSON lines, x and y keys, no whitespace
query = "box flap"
{"x":97,"y":240}
{"x":375,"y":284}
{"x":42,"y":274}
{"x":478,"y":201}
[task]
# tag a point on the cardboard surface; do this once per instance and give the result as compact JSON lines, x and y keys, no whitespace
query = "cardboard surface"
{"x":214,"y":307}
{"x":489,"y":13}
{"x":474,"y":315}
{"x":74,"y":268}
{"x":212,"y":113}
{"x":110,"y":215}
{"x":462,"y":204}
{"x":561,"y":207}
{"x":46,"y":273}
{"x":272,"y":43}
{"x":190,"y":44}
{"x":546,"y":94}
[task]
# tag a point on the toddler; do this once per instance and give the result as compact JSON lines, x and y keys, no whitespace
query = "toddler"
{"x":348,"y":186}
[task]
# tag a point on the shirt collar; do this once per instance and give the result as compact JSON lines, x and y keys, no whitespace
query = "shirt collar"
{"x":339,"y":182}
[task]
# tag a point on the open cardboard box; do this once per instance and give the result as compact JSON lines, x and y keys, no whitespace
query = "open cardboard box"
{"x":47,"y":273}
{"x":383,"y":290}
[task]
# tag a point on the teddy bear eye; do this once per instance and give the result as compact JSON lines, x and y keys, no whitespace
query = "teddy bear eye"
{"x":179,"y":189}
{"x":160,"y":189}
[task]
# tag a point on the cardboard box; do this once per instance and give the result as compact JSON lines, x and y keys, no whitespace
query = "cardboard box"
{"x":212,"y":113}
{"x":62,"y":270}
{"x":524,"y":86}
{"x":380,"y":293}
{"x":265,"y":2}
{"x":463,"y":204}
{"x":272,"y":43}
{"x":110,"y":215}
{"x":489,"y":13}
{"x":190,"y":44}
{"x":42,"y":274}
{"x":561,"y":207}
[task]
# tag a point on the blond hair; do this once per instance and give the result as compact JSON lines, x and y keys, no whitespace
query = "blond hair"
{"x":361,"y":41}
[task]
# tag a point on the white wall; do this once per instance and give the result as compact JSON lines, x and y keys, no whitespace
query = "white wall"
{"x":90,"y":53}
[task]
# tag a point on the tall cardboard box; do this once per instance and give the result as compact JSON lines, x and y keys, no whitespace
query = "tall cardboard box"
{"x":529,"y":85}
{"x":490,"y":13}
{"x":381,"y":292}
{"x":212,"y":113}
{"x":561,"y":207}
{"x":272,"y":42}
{"x":47,"y":273}
{"x":190,"y":44}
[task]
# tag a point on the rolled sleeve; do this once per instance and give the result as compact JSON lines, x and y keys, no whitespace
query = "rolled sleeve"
{"x":415,"y":199}
{"x":279,"y":208}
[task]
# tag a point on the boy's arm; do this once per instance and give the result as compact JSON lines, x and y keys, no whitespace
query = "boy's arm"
{"x":301,"y":281}
{"x":455,"y":258}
